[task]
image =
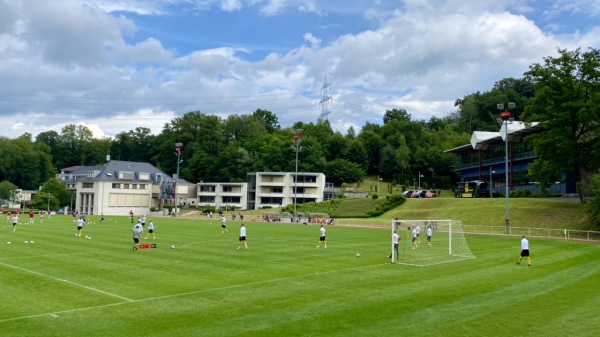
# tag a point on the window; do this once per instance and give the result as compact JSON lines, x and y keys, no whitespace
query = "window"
{"x":142,"y":186}
{"x":144,"y":176}
{"x":116,"y":186}
{"x":126,"y":186}
{"x":228,"y":189}
{"x":232,"y":200}
{"x":87,"y":185}
{"x":126,"y":175}
{"x":277,"y":190}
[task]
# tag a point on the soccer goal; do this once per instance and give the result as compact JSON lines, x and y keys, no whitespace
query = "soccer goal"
{"x":447,"y":242}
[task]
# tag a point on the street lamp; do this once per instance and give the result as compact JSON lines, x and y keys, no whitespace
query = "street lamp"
{"x":505,"y":119}
{"x":490,"y":188}
{"x":178,"y":153}
{"x":420,"y":176}
{"x":297,"y":148}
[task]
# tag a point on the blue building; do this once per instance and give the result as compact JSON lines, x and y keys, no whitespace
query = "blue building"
{"x":485,"y":158}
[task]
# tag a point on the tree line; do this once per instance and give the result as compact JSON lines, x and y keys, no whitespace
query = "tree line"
{"x":561,"y":93}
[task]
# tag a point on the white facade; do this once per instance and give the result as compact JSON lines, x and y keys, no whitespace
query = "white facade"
{"x":222,"y":195}
{"x":118,"y":188}
{"x":272,"y":189}
{"x":278,"y":189}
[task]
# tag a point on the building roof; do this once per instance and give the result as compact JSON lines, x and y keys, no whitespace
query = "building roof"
{"x":480,"y":140}
{"x":117,"y":170}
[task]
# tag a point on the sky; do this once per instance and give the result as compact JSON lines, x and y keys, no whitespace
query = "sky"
{"x":114,"y":65}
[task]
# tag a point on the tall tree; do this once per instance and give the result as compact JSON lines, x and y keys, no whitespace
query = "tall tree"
{"x":395,"y":114}
{"x":567,"y":107}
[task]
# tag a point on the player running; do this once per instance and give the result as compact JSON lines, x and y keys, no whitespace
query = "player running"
{"x":80,"y":223}
{"x":224,"y":224}
{"x":524,"y":251}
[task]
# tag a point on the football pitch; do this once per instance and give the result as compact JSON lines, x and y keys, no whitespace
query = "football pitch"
{"x":283,"y":285}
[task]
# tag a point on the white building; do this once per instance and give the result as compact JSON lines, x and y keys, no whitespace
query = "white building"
{"x":119,"y":187}
{"x":278,"y":189}
{"x":274,"y":189}
{"x":223,"y":195}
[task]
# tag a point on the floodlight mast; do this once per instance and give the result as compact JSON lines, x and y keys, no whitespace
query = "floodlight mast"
{"x":178,"y":153}
{"x":505,"y":119}
{"x":296,"y":147}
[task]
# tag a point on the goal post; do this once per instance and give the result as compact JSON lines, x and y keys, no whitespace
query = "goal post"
{"x":446,"y":243}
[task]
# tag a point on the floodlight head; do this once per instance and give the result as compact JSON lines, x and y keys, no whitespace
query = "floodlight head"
{"x":511,"y":105}
{"x":500,"y":106}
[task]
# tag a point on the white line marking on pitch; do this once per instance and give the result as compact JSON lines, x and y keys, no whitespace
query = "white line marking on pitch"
{"x":41,"y":256}
{"x":129,"y":301}
{"x":66,"y":281}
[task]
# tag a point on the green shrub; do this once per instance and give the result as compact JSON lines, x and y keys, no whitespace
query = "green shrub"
{"x":391,"y":202}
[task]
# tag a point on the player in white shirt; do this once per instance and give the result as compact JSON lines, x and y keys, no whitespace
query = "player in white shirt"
{"x":414,"y":238}
{"x":80,"y":223}
{"x":242,"y":237}
{"x":150,"y":230}
{"x":429,"y":236}
{"x":224,"y":224}
{"x":395,"y":240}
{"x":524,"y":251}
{"x":137,"y":232}
{"x":418,"y":229}
{"x":15,"y":221}
{"x":322,"y":238}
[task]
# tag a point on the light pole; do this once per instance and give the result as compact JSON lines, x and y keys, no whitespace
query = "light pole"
{"x":505,"y":119}
{"x":378,"y":180}
{"x":420,"y":176}
{"x":178,"y":153}
{"x":297,"y":148}
{"x":490,"y":188}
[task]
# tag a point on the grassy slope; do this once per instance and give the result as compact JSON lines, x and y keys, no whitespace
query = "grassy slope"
{"x":283,"y":285}
{"x":523,"y":212}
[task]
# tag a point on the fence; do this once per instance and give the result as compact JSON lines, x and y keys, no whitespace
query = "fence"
{"x":551,"y":233}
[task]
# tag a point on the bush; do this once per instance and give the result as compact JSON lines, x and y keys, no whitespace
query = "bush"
{"x":391,"y":202}
{"x":520,"y":194}
{"x":208,"y":209}
{"x":374,"y":196}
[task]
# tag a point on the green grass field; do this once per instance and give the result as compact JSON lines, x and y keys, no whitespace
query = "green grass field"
{"x":63,"y":285}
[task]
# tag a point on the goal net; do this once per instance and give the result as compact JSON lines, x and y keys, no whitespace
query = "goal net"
{"x":447,"y":242}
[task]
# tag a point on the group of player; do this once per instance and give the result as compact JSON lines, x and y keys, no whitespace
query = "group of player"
{"x":14,"y":217}
{"x":416,"y":231}
{"x":138,"y":231}
{"x":416,"y":239}
{"x":242,"y":238}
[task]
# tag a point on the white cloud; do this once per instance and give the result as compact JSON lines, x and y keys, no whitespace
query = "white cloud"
{"x":70,"y":62}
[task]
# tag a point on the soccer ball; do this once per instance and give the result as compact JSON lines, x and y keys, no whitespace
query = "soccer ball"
{"x":89,"y":237}
{"x":31,"y":241}
{"x":26,"y":242}
{"x":173,"y":247}
{"x":8,"y":243}
{"x":357,"y":254}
